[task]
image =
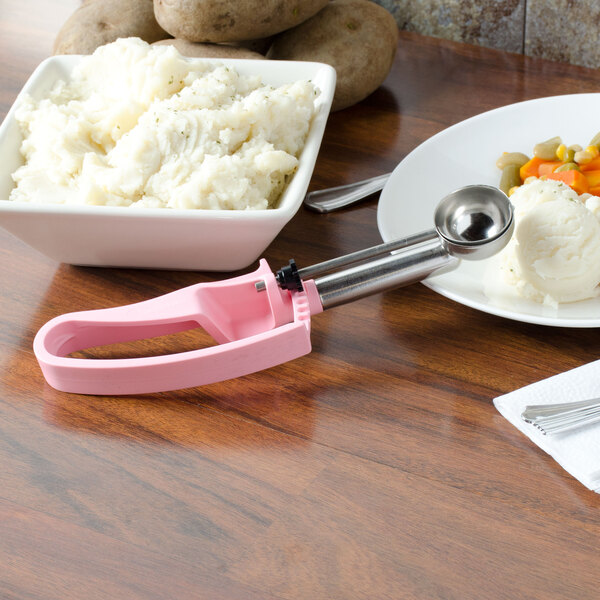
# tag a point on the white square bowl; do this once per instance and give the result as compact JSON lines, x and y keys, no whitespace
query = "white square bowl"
{"x":158,"y":238}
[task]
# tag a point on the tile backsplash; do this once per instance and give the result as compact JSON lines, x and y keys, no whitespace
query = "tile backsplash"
{"x":560,"y":30}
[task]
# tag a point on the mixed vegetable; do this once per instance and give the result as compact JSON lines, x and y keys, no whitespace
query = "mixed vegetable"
{"x":575,"y":166}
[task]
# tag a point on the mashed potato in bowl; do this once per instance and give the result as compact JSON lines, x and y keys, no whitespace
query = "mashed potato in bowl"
{"x":141,"y":126}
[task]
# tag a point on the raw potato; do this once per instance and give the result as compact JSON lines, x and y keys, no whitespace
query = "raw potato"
{"x":199,"y":50}
{"x":99,"y":22}
{"x":232,"y":20}
{"x":357,"y":37}
{"x":261,"y":46}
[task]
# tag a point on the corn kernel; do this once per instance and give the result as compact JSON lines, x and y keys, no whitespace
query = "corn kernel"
{"x":512,"y":190}
{"x":593,"y":150}
{"x":561,"y":152}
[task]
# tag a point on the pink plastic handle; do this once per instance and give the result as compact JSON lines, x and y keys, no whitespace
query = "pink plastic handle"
{"x":254,"y":330}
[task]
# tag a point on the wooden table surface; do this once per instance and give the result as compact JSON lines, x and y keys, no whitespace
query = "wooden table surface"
{"x":375,"y":467}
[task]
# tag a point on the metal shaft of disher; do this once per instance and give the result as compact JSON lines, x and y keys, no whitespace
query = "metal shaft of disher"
{"x":365,"y":254}
{"x":395,"y":270}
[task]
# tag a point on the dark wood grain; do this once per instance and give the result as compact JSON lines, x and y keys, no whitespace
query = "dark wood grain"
{"x":375,"y":467}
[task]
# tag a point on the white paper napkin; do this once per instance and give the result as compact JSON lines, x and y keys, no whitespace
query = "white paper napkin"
{"x":578,"y":450}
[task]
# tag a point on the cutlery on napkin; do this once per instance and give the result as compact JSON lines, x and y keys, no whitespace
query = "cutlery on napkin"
{"x":576,"y":450}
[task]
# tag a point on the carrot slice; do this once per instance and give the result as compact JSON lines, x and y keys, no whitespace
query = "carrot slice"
{"x":593,"y":165}
{"x":546,"y":168}
{"x":531,"y":168}
{"x":574,"y":179}
{"x":595,"y":191}
{"x":593,"y":178}
{"x":536,"y":167}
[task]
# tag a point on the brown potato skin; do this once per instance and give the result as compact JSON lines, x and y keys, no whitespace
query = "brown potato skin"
{"x":232,"y":20}
{"x":99,"y":22}
{"x":357,"y":37}
{"x":200,"y":50}
{"x":261,"y":46}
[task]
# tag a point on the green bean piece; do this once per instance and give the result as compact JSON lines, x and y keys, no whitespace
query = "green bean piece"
{"x":570,"y":155}
{"x":571,"y":166}
{"x":511,"y":158}
{"x":595,"y":140}
{"x":510,"y":178}
{"x":547,"y":150}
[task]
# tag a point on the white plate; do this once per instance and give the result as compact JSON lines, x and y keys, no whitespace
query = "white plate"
{"x":466,"y":154}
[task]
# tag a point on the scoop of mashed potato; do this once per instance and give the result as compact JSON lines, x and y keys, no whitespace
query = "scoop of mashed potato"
{"x":139,"y":125}
{"x":554,"y":254}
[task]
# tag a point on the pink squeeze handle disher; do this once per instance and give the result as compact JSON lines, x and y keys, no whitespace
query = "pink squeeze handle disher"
{"x":259,"y":320}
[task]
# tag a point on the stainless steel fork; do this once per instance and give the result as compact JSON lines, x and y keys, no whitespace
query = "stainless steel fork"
{"x":556,"y":418}
{"x":331,"y":199}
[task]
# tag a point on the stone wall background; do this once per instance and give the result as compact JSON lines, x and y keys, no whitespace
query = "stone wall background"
{"x":560,"y":30}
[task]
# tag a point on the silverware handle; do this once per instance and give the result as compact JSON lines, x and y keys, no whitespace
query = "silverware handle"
{"x":330,"y":199}
{"x":534,"y":411}
{"x":568,"y":423}
{"x":555,"y":418}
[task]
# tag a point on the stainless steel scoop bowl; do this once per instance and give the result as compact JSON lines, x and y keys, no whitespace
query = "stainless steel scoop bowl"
{"x":474,"y":222}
